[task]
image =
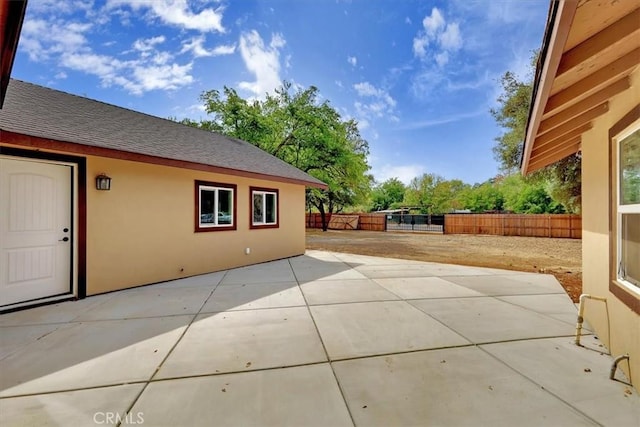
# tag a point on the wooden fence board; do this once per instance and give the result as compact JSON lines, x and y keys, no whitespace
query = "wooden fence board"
{"x":530,"y":225}
{"x":371,"y":222}
{"x":344,"y":222}
{"x":542,"y":225}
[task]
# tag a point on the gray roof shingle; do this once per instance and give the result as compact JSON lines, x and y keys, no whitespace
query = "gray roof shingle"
{"x":47,"y":113}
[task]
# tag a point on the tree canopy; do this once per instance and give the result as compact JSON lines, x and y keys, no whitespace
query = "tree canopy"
{"x":294,"y":125}
{"x":562,"y":178}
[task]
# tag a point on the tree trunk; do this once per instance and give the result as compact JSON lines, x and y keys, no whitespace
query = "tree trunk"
{"x":323,"y":216}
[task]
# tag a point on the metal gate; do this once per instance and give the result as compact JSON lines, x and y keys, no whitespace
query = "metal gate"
{"x":408,"y":222}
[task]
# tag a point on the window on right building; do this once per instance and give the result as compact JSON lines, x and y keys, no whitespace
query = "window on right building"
{"x":628,"y":206}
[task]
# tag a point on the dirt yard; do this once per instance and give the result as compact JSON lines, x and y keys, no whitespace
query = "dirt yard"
{"x":560,"y":257}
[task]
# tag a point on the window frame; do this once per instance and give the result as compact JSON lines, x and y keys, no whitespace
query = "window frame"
{"x":264,"y":191}
{"x":209,"y":185}
{"x":623,"y":209}
{"x":626,"y":292}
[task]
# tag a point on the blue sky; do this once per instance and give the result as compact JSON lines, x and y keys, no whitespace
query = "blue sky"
{"x":418,"y":76}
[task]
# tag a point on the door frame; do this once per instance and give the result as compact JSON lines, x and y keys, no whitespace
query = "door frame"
{"x":78,"y":256}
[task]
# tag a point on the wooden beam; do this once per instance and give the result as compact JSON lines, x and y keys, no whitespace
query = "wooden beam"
{"x":595,"y":44}
{"x":572,"y":124}
{"x":536,"y":164}
{"x":558,"y":145}
{"x":574,"y":133}
{"x":605,"y":94}
{"x":557,"y":30}
{"x":592,"y":82}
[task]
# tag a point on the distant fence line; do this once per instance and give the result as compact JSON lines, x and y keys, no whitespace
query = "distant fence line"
{"x":528,"y":225}
{"x":368,"y":222}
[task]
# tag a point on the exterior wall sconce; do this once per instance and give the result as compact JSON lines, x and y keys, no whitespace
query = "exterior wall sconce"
{"x":103,"y":182}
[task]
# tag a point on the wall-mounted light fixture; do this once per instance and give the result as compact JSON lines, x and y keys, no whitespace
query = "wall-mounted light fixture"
{"x":103,"y":182}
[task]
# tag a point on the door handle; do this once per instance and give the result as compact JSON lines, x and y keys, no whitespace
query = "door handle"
{"x":64,"y":239}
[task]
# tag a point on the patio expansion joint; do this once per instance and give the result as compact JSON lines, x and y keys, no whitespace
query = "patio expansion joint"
{"x":541,"y":386}
{"x":67,"y":390}
{"x":155,"y":372}
{"x":324,"y":347}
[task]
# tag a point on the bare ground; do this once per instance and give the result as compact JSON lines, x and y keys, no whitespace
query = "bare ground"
{"x":560,"y":257}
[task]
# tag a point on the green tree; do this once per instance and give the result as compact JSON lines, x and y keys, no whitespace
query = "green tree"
{"x":483,"y":197}
{"x":563,"y":177}
{"x":419,"y":193}
{"x":387,"y":194}
{"x":304,"y":132}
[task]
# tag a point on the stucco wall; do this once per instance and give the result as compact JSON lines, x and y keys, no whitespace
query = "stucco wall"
{"x":621,"y":328}
{"x":142,"y":230}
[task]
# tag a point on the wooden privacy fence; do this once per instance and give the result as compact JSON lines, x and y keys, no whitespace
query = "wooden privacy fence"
{"x":370,"y":222}
{"x":531,"y":225}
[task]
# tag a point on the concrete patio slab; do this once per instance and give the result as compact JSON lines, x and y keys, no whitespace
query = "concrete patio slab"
{"x":275,"y":271}
{"x":574,"y":374}
{"x":73,"y":408}
{"x":485,"y":319}
{"x":210,"y":280}
{"x":557,"y":306}
{"x":245,"y":340}
{"x":341,"y":291}
{"x":254,"y":351}
{"x":450,"y":387}
{"x":299,"y":396}
{"x":15,"y":338}
{"x":148,"y":301}
{"x":247,"y":297}
{"x":512,"y":284}
{"x":371,"y":328}
{"x":425,"y":287}
{"x":62,"y":312}
{"x":91,"y":354}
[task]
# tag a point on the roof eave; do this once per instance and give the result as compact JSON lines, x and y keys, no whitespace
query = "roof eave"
{"x":37,"y":143}
{"x":561,"y":16}
{"x":11,"y":18}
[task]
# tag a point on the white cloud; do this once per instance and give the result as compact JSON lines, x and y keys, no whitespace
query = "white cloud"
{"x":420,"y":44}
{"x":352,"y":60}
{"x":434,"y":22}
{"x":178,"y":13}
{"x":444,"y":37}
{"x":147,"y":46}
{"x":60,"y":38}
{"x":443,"y":120}
{"x":365,"y":89}
{"x":442,"y":58}
{"x":450,"y":39}
{"x":404,"y":173}
{"x":339,"y":84}
{"x":196,"y":47}
{"x":262,"y":61}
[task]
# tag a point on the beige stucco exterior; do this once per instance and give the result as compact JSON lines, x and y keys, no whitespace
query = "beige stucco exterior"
{"x":142,"y":231}
{"x":615,"y":324}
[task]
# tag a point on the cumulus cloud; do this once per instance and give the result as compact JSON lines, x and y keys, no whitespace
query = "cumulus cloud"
{"x":374,"y":104}
{"x":62,"y":34}
{"x":433,"y":23}
{"x":262,"y":60}
{"x":352,"y":60}
{"x":443,"y":37}
{"x":177,"y":13}
{"x":196,"y":47}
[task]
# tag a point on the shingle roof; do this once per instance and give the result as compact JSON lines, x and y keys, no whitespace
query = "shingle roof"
{"x":46,"y":113}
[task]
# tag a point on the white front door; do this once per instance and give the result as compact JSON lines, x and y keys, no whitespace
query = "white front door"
{"x":35,"y":230}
